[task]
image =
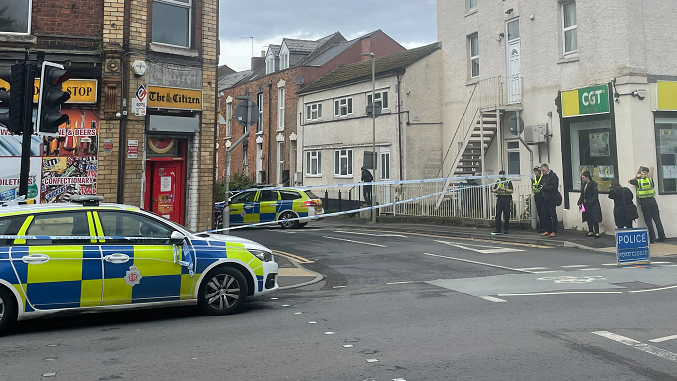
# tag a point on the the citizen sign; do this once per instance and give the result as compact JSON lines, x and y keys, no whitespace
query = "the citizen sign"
{"x":173,"y":98}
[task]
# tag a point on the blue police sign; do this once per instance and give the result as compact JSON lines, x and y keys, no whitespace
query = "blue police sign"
{"x":632,"y":246}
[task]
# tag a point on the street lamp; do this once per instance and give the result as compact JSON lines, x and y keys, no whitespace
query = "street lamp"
{"x":373,"y":126}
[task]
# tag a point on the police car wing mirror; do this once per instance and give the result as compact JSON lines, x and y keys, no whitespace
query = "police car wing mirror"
{"x":176,"y":238}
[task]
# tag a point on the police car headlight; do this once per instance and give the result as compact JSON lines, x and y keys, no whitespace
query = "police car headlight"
{"x":264,"y":256}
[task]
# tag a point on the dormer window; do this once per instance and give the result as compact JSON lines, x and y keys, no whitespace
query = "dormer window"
{"x":284,"y":61}
{"x":270,"y":65}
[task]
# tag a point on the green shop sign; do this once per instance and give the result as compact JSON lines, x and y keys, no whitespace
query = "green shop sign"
{"x":586,"y":101}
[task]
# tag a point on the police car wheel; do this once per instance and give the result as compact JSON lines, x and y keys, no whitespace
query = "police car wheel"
{"x":7,"y":309}
{"x":223,"y":291}
{"x":288,"y":224}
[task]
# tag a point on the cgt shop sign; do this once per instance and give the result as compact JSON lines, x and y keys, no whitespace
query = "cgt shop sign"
{"x":632,"y":247}
{"x":586,"y":101}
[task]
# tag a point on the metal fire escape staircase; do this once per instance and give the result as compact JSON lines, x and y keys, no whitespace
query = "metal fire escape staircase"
{"x":477,"y":129}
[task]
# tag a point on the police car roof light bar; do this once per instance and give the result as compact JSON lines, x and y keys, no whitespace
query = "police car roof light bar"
{"x":86,"y":200}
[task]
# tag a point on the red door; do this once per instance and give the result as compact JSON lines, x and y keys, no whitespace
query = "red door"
{"x":166,"y":189}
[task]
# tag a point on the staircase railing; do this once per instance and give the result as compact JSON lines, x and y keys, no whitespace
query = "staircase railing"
{"x":486,"y":93}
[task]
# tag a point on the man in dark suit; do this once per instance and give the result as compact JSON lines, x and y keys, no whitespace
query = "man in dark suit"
{"x":549,"y":188}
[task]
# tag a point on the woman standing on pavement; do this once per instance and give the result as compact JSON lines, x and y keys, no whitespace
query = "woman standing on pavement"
{"x":625,"y":210}
{"x":589,"y":204}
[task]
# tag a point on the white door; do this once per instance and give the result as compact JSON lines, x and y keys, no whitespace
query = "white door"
{"x":513,"y":59}
{"x":385,"y":174}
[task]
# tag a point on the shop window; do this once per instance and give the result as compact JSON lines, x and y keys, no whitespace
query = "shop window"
{"x":666,"y":152}
{"x":593,"y":149}
{"x":15,"y":16}
{"x":171,"y":22}
{"x":513,"y":158}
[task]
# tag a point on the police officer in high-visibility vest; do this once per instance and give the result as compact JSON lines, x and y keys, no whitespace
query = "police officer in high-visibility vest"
{"x":646,"y":196}
{"x":538,"y":198}
{"x":503,"y":191}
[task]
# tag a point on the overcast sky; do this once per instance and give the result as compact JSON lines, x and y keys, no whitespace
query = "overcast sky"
{"x":412,"y":23}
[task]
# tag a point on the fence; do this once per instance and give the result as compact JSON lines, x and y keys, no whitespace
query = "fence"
{"x":473,"y":203}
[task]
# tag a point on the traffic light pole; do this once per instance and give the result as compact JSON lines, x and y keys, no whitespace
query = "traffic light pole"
{"x":27,"y":136}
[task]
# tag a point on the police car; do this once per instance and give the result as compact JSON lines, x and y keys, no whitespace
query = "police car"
{"x":91,"y":256}
{"x":266,"y":205}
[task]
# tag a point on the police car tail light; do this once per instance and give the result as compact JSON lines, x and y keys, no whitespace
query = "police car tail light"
{"x":313,"y":203}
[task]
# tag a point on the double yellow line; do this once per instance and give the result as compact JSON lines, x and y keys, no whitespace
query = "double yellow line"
{"x":292,"y":257}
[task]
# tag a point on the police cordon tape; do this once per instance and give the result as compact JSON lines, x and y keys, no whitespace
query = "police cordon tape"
{"x":309,"y":218}
{"x":319,"y":216}
{"x":393,"y":182}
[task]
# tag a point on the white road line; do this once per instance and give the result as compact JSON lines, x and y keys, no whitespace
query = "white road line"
{"x":547,"y":272}
{"x":403,"y":282}
{"x":371,"y":234}
{"x":589,"y":269}
{"x":564,"y":293}
{"x":670,"y":265}
{"x":573,"y":266}
{"x":653,"y":289}
{"x":661,"y":339}
{"x":487,"y":250}
{"x":350,"y":240}
{"x":492,"y":299}
{"x":610,"y":264}
{"x":534,"y":268}
{"x":638,"y":345}
{"x":479,"y":263}
{"x":660,"y":263}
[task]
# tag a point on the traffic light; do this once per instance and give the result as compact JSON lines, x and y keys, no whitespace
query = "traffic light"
{"x":14,"y":98}
{"x":51,"y":98}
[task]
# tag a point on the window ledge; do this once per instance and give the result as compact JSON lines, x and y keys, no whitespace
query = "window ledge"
{"x":279,"y":129}
{"x":18,"y":38}
{"x":472,"y":81}
{"x":176,"y":50}
{"x":259,"y":133}
{"x":314,"y":176}
{"x":568,"y":58}
{"x":228,"y":137}
{"x":343,"y":177}
{"x":471,"y":12}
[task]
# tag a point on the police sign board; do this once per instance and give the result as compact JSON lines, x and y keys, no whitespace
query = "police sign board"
{"x":632,"y":247}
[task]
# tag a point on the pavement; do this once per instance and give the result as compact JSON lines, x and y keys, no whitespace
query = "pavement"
{"x":391,"y":304}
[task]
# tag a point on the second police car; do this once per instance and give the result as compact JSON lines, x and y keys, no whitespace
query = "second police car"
{"x":285,"y":205}
{"x":136,"y":260}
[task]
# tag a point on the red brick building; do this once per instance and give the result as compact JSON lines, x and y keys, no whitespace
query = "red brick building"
{"x":269,"y":153}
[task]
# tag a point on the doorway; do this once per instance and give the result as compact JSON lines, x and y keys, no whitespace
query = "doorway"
{"x":513,"y":60}
{"x":165,"y":178}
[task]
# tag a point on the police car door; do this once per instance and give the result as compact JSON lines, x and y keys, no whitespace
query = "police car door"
{"x":268,"y":201}
{"x":141,"y":268}
{"x":243,"y":209}
{"x":57,"y":272}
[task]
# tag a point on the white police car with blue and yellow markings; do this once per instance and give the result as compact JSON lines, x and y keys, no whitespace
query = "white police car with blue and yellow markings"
{"x":86,"y":256}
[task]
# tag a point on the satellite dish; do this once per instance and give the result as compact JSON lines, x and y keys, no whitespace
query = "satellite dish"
{"x":299,"y":80}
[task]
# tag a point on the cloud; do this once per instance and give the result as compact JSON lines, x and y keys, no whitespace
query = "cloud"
{"x":411,"y":23}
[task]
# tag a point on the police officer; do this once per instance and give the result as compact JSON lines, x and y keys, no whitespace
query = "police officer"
{"x":647,"y":200}
{"x":503,"y":191}
{"x":538,"y":198}
{"x":549,"y":189}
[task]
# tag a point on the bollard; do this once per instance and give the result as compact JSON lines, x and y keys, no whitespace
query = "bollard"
{"x":339,"y":201}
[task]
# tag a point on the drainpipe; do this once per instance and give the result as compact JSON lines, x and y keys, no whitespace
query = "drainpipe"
{"x":399,"y":126}
{"x":270,"y":90}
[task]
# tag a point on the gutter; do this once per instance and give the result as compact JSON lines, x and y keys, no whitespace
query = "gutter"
{"x":270,"y":89}
{"x":399,"y":125}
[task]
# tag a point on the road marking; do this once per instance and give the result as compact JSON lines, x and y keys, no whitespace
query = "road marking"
{"x":534,"y":268}
{"x":638,"y":345}
{"x":610,"y":264}
{"x":293,"y":257}
{"x":467,"y":239}
{"x":404,"y":282}
{"x":312,"y":322}
{"x":374,"y":235}
{"x":573,"y":279}
{"x":372,"y":360}
{"x":661,"y":339}
{"x":573,"y":266}
{"x":350,"y":240}
{"x":660,"y":263}
{"x":589,"y":269}
{"x":339,"y":286}
{"x":547,"y":272}
{"x":564,"y":293}
{"x":348,"y":345}
{"x":491,"y":250}
{"x":654,"y":289}
{"x":298,"y":313}
{"x":492,"y":299}
{"x":329,"y":333}
{"x":479,"y":263}
{"x":285,"y":305}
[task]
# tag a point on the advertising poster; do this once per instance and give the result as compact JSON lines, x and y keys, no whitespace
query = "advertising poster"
{"x":599,"y":144}
{"x":668,"y":141}
{"x":10,"y":145}
{"x":77,"y":137}
{"x":10,"y":171}
{"x":63,"y":177}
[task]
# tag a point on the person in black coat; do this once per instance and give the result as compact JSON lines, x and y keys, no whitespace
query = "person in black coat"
{"x":366,"y":189}
{"x":549,"y":188}
{"x":623,"y":198}
{"x":589,"y":203}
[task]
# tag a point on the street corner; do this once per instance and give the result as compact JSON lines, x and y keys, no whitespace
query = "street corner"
{"x":291,"y":273}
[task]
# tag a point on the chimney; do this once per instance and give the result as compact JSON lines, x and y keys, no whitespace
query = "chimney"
{"x":263,"y":53}
{"x":257,"y":62}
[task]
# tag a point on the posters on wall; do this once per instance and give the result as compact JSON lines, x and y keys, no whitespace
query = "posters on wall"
{"x":599,"y":144}
{"x":668,"y":141}
{"x":60,"y":166}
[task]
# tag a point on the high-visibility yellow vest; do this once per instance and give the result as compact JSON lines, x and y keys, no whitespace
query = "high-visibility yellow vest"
{"x":645,"y":188}
{"x":536,"y":181}
{"x":503,"y":189}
